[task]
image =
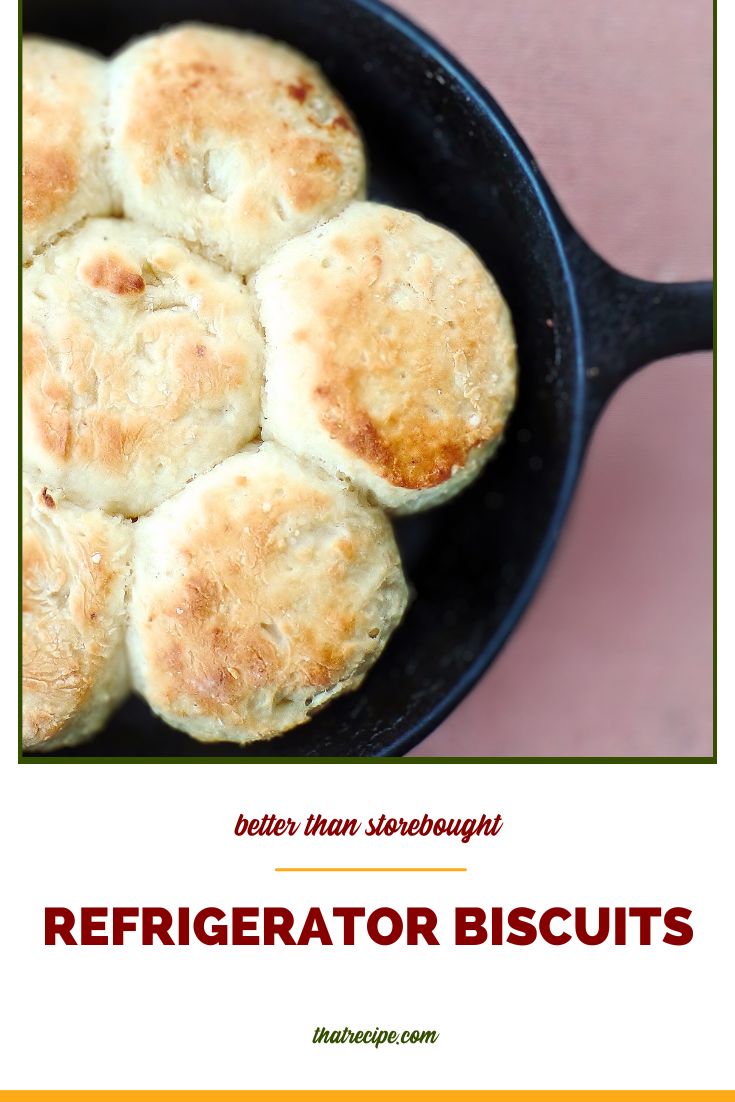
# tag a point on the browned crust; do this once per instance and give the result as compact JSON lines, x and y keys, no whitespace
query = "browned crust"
{"x":398,"y":451}
{"x":50,"y":176}
{"x":193,"y":87}
{"x":212,"y":630}
{"x":109,"y":272}
{"x":62,"y":104}
{"x":409,"y":344}
{"x":262,"y":599}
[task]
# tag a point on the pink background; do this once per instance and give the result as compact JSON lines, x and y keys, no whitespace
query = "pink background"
{"x":614,"y":655}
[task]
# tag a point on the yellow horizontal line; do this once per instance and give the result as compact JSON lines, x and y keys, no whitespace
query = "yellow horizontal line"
{"x":370,"y":869}
{"x":369,"y":1095}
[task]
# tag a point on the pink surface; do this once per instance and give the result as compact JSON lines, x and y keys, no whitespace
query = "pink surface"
{"x":614,"y":655}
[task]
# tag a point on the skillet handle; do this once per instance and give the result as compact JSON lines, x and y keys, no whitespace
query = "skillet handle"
{"x":631,"y":322}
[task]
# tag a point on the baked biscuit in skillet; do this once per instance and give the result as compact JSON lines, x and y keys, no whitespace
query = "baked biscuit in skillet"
{"x":142,"y":366}
{"x":76,"y":567}
{"x":390,"y":355}
{"x":230,"y":141}
{"x":260,"y":592}
{"x":64,"y":142}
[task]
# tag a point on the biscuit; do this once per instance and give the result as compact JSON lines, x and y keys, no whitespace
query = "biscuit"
{"x":142,"y":366}
{"x":76,"y":567}
{"x":390,"y":354}
{"x":260,"y":592}
{"x":64,"y":141}
{"x":230,"y":141}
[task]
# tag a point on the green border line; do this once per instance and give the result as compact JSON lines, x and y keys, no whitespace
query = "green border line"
{"x":38,"y":759}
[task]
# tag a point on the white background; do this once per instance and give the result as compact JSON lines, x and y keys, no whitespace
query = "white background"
{"x":538,"y":1016}
{"x":235,"y":1017}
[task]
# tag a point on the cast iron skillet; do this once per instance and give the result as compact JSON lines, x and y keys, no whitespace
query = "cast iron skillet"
{"x":440,"y":145}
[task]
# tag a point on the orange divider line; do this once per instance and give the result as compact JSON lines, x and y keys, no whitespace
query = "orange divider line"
{"x":368,"y":1095}
{"x":362,"y":868}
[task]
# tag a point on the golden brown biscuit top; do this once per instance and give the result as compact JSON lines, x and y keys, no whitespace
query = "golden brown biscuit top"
{"x":62,"y":105}
{"x":74,"y":574}
{"x":406,"y":341}
{"x":235,"y":131}
{"x":274,"y":580}
{"x":137,"y":356}
{"x":196,"y":84}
